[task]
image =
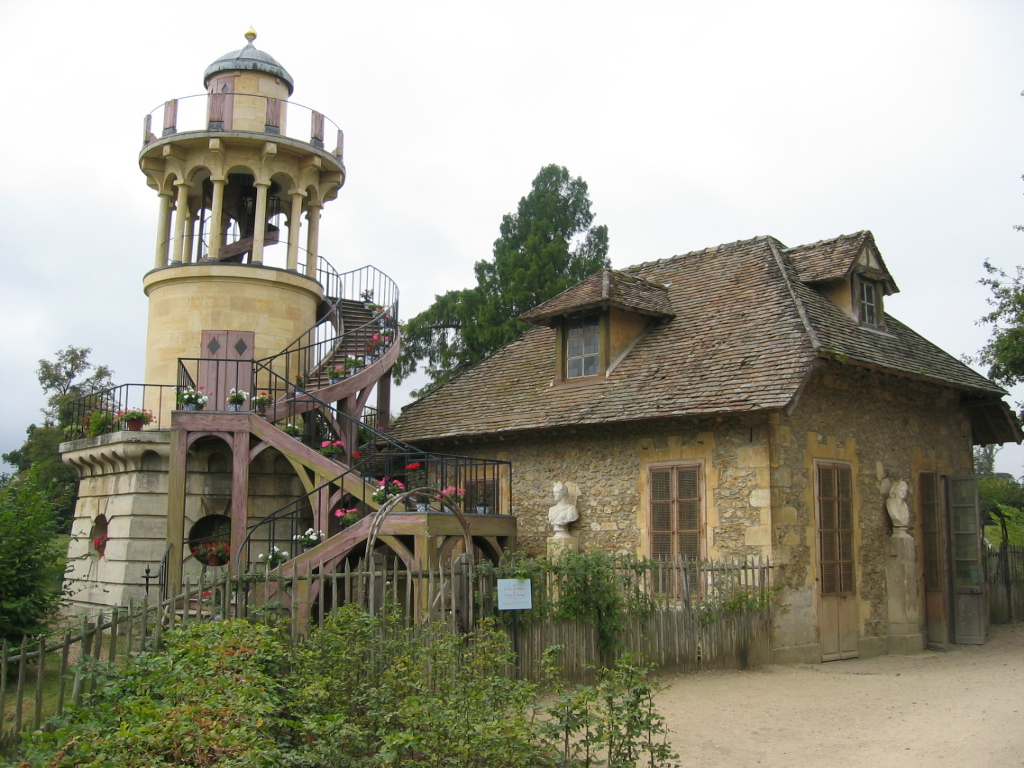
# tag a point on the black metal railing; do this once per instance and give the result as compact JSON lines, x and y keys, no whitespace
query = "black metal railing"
{"x":370,"y":299}
{"x":478,"y":485}
{"x":197,"y":113}
{"x":127,"y":407}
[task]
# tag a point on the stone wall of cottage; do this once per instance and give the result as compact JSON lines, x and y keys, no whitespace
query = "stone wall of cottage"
{"x":609,"y":463}
{"x":882,"y":426}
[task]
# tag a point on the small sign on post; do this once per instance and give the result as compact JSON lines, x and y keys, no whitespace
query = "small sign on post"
{"x":515,"y":595}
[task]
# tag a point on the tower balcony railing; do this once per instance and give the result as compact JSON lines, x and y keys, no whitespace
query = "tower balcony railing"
{"x":243,"y":113}
{"x":126,"y":407}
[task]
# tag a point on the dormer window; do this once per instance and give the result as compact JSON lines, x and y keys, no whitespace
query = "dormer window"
{"x":869,"y":302}
{"x":582,"y":346}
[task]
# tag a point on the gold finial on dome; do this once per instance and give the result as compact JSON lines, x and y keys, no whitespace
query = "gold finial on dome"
{"x":250,"y":35}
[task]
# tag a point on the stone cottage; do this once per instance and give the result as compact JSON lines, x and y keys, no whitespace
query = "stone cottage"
{"x":749,"y":399}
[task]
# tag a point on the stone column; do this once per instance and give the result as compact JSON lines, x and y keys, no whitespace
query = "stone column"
{"x":294,"y":229}
{"x":902,"y":594}
{"x":259,"y":231}
{"x":216,"y":220}
{"x":312,"y":238}
{"x":189,"y":245}
{"x":180,"y":217}
{"x":163,"y":230}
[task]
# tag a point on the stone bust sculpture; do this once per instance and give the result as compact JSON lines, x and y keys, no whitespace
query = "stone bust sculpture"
{"x":896,"y":504}
{"x":564,"y":511}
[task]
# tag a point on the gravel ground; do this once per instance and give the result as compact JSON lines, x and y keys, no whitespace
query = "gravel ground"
{"x":958,"y":708}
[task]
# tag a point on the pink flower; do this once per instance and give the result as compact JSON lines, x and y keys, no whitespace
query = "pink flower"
{"x":325,"y":443}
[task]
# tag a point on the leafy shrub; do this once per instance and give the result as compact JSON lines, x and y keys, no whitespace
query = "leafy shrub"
{"x":213,"y":698}
{"x":29,"y":564}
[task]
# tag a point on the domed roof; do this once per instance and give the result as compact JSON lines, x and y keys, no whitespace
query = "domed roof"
{"x":248,"y":58}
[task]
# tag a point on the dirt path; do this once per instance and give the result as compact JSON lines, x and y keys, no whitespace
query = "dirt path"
{"x":964,"y":708}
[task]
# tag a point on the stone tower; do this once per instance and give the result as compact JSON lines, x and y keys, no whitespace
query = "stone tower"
{"x":236,"y":270}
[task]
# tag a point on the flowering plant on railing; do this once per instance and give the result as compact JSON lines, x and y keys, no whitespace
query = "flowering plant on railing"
{"x":274,"y":557}
{"x":335,"y":373}
{"x":98,"y":421}
{"x":135,"y":414}
{"x":292,"y":429}
{"x":366,"y":294}
{"x":452,"y":492}
{"x":347,"y":517}
{"x":387,"y":489}
{"x":212,"y":552}
{"x":300,"y":381}
{"x":197,"y":399}
{"x":353,"y":364}
{"x":332,"y":448}
{"x":100,"y":544}
{"x":415,"y":475}
{"x":308,"y":539}
{"x":261,"y":402}
{"x":237,"y":396}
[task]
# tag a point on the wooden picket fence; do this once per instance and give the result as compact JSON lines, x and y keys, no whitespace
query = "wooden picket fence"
{"x":42,"y":675}
{"x":1004,"y":574}
{"x":682,"y":616}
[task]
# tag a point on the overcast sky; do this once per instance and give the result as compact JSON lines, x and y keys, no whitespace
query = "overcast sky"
{"x":694,"y":124}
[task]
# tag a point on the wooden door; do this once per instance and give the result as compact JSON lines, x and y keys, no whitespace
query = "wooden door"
{"x":226,"y":363}
{"x":934,"y":550}
{"x":838,"y":624}
{"x":969,"y":603}
{"x":220,"y":103}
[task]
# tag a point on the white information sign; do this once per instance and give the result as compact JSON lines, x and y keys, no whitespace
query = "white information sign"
{"x":515,"y":595}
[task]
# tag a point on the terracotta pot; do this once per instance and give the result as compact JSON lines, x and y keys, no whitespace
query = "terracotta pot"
{"x":213,"y":560}
{"x":134,"y":425}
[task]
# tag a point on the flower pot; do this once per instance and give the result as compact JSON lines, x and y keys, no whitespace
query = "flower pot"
{"x":297,"y":437}
{"x":213,"y":561}
{"x":100,"y":551}
{"x":190,"y":407}
{"x":369,"y":358}
{"x":133,"y":425}
{"x":482,"y":509}
{"x":422,"y":506}
{"x":333,"y":379}
{"x":234,"y":407}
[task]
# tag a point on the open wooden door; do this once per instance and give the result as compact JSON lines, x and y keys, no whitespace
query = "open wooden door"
{"x":934,"y":555}
{"x":969,"y":603}
{"x":226,"y":364}
{"x":838,"y":624}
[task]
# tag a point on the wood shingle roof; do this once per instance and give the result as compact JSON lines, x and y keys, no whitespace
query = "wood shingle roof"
{"x":741,"y":332}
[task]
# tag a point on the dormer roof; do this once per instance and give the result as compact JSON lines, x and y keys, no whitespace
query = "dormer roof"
{"x":839,"y":258}
{"x":602,"y":290}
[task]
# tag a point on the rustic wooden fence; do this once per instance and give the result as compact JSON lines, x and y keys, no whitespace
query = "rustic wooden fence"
{"x":1005,"y":576}
{"x":681,"y":616}
{"x":42,"y":675}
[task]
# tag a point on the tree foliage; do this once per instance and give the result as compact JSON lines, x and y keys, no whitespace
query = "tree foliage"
{"x":546,"y":246}
{"x":68,"y":376}
{"x":30,"y":567}
{"x":1003,"y":353}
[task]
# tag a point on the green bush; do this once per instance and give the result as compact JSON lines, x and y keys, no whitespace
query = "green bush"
{"x":417,"y":699}
{"x":213,"y":698}
{"x":29,"y":565}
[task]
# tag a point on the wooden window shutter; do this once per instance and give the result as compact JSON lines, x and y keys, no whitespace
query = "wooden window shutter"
{"x":675,"y":513}
{"x":835,"y":529}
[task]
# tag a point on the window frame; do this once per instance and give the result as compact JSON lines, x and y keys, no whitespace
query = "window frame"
{"x":861,"y":283}
{"x":563,"y":345}
{"x":841,"y":576}
{"x":673,"y":468}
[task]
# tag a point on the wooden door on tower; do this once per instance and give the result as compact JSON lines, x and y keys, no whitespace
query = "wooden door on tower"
{"x":226,"y":364}
{"x":838,"y":624}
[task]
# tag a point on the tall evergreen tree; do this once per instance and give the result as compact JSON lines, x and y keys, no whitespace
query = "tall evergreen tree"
{"x":546,"y":246}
